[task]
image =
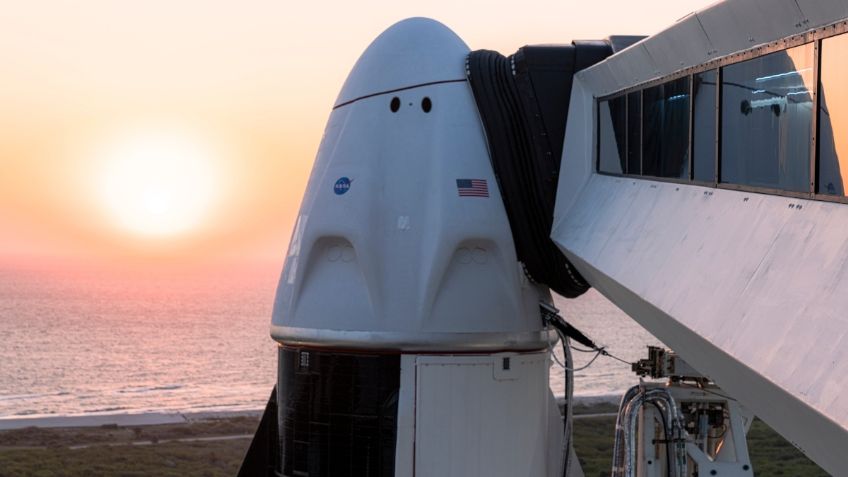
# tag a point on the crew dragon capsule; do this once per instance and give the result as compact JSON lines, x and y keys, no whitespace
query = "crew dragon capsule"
{"x":454,"y":191}
{"x":410,"y":335}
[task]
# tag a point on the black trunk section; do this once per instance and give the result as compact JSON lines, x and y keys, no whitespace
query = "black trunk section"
{"x":264,"y":451}
{"x":337,"y":413}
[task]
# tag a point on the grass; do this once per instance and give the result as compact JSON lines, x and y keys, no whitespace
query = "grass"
{"x":46,"y":452}
{"x":169,"y":459}
{"x":771,"y":454}
{"x":36,"y":452}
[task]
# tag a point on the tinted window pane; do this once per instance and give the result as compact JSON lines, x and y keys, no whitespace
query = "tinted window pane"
{"x":833,"y":117}
{"x":634,"y":133}
{"x":704,"y":125}
{"x":665,"y":130}
{"x":766,"y":120}
{"x":612,"y":115}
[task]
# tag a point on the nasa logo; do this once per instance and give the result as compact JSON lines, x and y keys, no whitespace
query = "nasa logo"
{"x":342,"y":186}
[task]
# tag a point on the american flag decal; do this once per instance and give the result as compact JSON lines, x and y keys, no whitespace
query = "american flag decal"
{"x":472,"y":187}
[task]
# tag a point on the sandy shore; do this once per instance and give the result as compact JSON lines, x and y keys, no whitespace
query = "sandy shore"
{"x":159,"y":418}
{"x":121,"y":420}
{"x":214,"y":443}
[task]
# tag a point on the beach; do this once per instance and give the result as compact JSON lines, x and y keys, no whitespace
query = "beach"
{"x":101,"y":382}
{"x":214,"y":444}
{"x":207,"y":446}
{"x":130,"y":384}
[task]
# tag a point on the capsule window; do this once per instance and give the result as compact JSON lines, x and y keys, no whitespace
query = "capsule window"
{"x":395,"y":104}
{"x":426,"y":104}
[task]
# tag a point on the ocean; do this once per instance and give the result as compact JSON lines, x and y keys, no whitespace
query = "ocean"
{"x":89,"y":342}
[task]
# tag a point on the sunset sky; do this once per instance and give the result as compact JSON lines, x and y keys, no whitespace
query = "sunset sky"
{"x":219,"y":105}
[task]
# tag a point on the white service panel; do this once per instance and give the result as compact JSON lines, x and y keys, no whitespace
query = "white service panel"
{"x":485,"y":416}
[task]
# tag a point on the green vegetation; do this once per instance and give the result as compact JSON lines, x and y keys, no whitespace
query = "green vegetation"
{"x":771,"y":454}
{"x":169,"y":459}
{"x":155,"y":451}
{"x":593,"y":441}
{"x":143,"y":451}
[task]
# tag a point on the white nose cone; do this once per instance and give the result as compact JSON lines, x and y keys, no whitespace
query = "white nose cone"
{"x":402,"y":241}
{"x":412,"y":52}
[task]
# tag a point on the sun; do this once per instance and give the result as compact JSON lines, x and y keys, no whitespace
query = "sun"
{"x":158,"y":184}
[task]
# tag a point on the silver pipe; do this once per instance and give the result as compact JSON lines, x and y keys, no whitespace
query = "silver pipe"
{"x":569,"y":399}
{"x":619,"y":452}
{"x":674,"y":420}
{"x":624,"y":449}
{"x":632,"y":429}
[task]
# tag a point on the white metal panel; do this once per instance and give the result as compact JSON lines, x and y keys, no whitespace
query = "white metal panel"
{"x":682,"y":45}
{"x":604,"y":77}
{"x":473,"y":419}
{"x":815,"y":434}
{"x":739,"y":24}
{"x":738,"y":284}
{"x":822,"y":12}
{"x":578,"y":147}
{"x":636,"y":67}
{"x":751,"y":289}
{"x":721,"y":29}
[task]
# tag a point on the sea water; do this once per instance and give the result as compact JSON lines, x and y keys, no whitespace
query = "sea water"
{"x":89,"y":342}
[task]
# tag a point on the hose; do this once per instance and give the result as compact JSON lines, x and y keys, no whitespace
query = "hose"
{"x":568,"y":410}
{"x":523,"y":103}
{"x":624,"y":449}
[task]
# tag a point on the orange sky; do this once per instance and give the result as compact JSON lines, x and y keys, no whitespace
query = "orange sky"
{"x":250,"y":82}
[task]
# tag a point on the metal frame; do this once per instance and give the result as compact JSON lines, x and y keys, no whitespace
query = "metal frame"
{"x":820,"y":33}
{"x":691,"y":127}
{"x":627,"y":135}
{"x":627,"y":132}
{"x":733,"y":458}
{"x":597,"y":138}
{"x":641,"y":131}
{"x":402,"y":341}
{"x":814,"y":135}
{"x":813,"y":36}
{"x":719,"y":98}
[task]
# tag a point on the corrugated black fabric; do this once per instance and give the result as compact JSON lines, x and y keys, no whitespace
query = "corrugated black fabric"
{"x":523,"y":102}
{"x":263,"y":455}
{"x":337,"y":413}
